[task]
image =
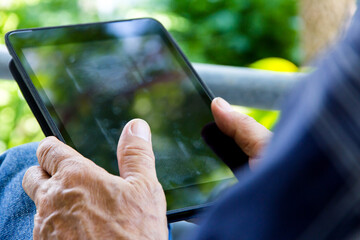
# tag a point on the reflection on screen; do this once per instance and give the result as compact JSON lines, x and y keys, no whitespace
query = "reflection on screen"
{"x":93,"y":89}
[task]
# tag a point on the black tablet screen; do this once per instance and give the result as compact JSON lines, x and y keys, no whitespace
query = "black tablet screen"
{"x":94,"y":80}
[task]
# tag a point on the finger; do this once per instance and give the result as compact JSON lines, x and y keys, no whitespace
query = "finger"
{"x":34,"y":177}
{"x":250,"y":135}
{"x":52,"y":154}
{"x":135,"y":154}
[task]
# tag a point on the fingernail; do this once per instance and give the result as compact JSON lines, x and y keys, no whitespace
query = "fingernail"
{"x":224,"y":105}
{"x":140,"y":129}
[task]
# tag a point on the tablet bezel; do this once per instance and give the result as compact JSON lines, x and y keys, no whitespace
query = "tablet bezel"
{"x":49,"y":127}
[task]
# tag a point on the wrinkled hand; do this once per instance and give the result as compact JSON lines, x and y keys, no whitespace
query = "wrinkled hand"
{"x":76,"y":199}
{"x":250,"y":135}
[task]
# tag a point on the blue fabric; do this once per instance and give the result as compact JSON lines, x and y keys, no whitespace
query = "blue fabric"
{"x":170,"y":235}
{"x":17,"y":209}
{"x":308,"y":184}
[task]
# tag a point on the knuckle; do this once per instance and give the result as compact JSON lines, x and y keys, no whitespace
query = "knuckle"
{"x":74,"y":169}
{"x":250,"y":134}
{"x":245,"y":120}
{"x":56,"y":196}
{"x":130,"y":150}
{"x":74,"y":173}
{"x":47,"y":153}
{"x":41,"y":201}
{"x":70,"y":197}
{"x":45,"y":148}
{"x":46,"y":193}
{"x":132,"y":155}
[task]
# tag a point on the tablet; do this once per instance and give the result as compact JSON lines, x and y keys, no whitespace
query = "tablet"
{"x":85,"y":82}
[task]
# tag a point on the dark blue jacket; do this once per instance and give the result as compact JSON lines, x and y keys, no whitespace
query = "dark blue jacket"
{"x":308,"y":186}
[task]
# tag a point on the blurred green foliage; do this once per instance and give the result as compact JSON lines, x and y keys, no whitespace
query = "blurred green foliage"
{"x":237,"y":32}
{"x":231,"y":32}
{"x":17,"y":124}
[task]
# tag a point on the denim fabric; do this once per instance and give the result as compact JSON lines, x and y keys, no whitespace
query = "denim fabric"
{"x":17,"y":209}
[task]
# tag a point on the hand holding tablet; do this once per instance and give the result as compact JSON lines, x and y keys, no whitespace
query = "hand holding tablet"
{"x":75,"y":199}
{"x":85,"y":82}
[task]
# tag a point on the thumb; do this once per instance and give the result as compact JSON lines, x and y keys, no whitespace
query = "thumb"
{"x":134,"y":152}
{"x":250,"y":135}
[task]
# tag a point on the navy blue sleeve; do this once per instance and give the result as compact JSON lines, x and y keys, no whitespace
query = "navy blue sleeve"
{"x":308,"y":186}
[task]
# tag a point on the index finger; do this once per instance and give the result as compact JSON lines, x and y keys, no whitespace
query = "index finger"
{"x":51,"y":153}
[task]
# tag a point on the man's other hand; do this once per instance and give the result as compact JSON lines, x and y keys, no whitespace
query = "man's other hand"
{"x":76,"y":199}
{"x":250,"y":135}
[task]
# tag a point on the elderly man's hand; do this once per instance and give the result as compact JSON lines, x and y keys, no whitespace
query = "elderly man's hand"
{"x":250,"y":135}
{"x":76,"y":199}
